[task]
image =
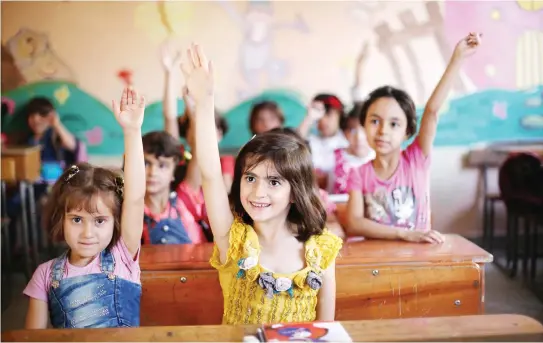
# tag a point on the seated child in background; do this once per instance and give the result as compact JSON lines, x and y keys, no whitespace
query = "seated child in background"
{"x":59,"y":148}
{"x":272,"y":249}
{"x":265,"y":116}
{"x":98,"y":215}
{"x":327,"y":111}
{"x":389,"y":197}
{"x":167,"y":219}
{"x":356,"y":154}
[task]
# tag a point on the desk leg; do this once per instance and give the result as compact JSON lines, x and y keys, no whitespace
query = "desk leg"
{"x":485,"y":207}
{"x":24,"y":223}
{"x":33,"y":224}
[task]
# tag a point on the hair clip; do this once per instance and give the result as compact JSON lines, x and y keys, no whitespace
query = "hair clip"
{"x":119,"y":185}
{"x":72,"y":171}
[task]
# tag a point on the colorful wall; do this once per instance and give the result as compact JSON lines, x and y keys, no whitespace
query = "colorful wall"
{"x":299,"y":47}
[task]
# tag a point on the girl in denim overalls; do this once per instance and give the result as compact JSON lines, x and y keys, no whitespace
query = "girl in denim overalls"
{"x":96,"y":283}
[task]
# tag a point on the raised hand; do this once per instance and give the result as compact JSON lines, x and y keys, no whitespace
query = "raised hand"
{"x":189,"y":103}
{"x":467,"y":46}
{"x":198,"y":72}
{"x":316,"y":110}
{"x":170,"y":57}
{"x":129,"y":111}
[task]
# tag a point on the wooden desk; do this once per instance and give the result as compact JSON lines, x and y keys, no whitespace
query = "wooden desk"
{"x":483,"y":328}
{"x":375,"y":280}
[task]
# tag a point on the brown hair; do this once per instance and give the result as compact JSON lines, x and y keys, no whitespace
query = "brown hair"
{"x":78,"y":188}
{"x":162,"y":144}
{"x":261,"y":106}
{"x":292,"y":159}
{"x":402,"y":98}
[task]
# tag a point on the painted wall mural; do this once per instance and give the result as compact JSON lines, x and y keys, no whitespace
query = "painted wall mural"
{"x":35,"y":58}
{"x":257,"y":57}
{"x":498,"y":98}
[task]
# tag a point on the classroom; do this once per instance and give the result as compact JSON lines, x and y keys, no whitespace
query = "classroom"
{"x":295,"y":170}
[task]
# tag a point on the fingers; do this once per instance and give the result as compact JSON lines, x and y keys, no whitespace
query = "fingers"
{"x":201,"y":57}
{"x":116,"y":108}
{"x":193,"y":58}
{"x":434,"y":237}
{"x":142,"y":102}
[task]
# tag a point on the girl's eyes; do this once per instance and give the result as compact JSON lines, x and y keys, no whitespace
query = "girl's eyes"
{"x":250,"y":178}
{"x":274,"y":183}
{"x":253,"y":179}
{"x":78,"y":220}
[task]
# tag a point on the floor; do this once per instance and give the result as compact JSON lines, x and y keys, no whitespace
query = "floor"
{"x":503,"y":295}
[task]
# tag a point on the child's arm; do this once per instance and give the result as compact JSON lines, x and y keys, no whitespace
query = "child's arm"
{"x":358,"y":225}
{"x":172,"y":77}
{"x":428,"y":125}
{"x":315,"y":111}
{"x":67,"y":139}
{"x":326,"y":304}
{"x":129,"y":114}
{"x":199,"y":78}
{"x":37,"y":314}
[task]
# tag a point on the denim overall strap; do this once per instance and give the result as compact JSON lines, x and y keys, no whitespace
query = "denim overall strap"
{"x":107,"y":262}
{"x":57,"y":270}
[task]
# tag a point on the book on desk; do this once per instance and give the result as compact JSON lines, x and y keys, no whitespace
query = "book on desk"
{"x":304,"y":332}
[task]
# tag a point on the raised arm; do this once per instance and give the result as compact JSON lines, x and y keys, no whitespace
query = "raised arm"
{"x":428,"y":126}
{"x":172,"y":84}
{"x":129,"y":114}
{"x":315,"y":111}
{"x":199,"y":79}
{"x":67,"y":139}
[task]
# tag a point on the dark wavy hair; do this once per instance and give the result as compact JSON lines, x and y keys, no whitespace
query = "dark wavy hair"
{"x":402,"y":98}
{"x":292,"y":160}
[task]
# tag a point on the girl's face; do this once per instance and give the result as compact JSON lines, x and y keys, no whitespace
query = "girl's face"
{"x":358,"y":143}
{"x":87,"y":234}
{"x":264,"y":194}
{"x":266,"y":120}
{"x":386,"y":126}
{"x":328,"y":125}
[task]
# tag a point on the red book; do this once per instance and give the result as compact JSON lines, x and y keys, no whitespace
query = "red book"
{"x":306,"y":332}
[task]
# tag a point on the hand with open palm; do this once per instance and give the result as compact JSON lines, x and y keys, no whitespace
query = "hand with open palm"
{"x":198,"y":72}
{"x":129,"y":111}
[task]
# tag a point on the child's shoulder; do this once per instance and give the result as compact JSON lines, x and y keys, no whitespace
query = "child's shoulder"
{"x":328,"y":246}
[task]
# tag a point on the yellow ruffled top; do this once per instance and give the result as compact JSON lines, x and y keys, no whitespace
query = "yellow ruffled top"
{"x":253,"y":295}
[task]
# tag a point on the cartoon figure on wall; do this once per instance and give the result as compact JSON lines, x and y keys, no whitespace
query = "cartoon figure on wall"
{"x":35,"y":58}
{"x":257,"y":58}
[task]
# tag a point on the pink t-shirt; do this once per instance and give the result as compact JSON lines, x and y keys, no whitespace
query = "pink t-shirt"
{"x":194,"y":230}
{"x":401,"y":201}
{"x":126,"y":267}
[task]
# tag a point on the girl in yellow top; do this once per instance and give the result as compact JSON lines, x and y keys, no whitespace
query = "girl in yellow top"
{"x":276,"y":261}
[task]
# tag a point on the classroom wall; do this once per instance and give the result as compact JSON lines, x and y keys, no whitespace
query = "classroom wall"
{"x":81,"y":54}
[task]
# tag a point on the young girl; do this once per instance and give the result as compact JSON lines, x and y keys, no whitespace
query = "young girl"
{"x":356,"y":154}
{"x":96,"y":283}
{"x":327,"y":110}
{"x":265,"y":116}
{"x":276,"y":261}
{"x":389,"y":198}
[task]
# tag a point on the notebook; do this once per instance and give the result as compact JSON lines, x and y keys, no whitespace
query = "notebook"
{"x":305,"y":332}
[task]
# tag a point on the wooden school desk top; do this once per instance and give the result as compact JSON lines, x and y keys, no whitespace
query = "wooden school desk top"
{"x":503,"y":327}
{"x":456,"y":249}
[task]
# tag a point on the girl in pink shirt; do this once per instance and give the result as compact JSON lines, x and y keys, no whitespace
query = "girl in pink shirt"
{"x":389,"y":198}
{"x":98,"y":215}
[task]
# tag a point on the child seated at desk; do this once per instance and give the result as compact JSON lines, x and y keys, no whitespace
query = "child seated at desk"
{"x":389,"y":197}
{"x":167,"y":219}
{"x":96,"y":282}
